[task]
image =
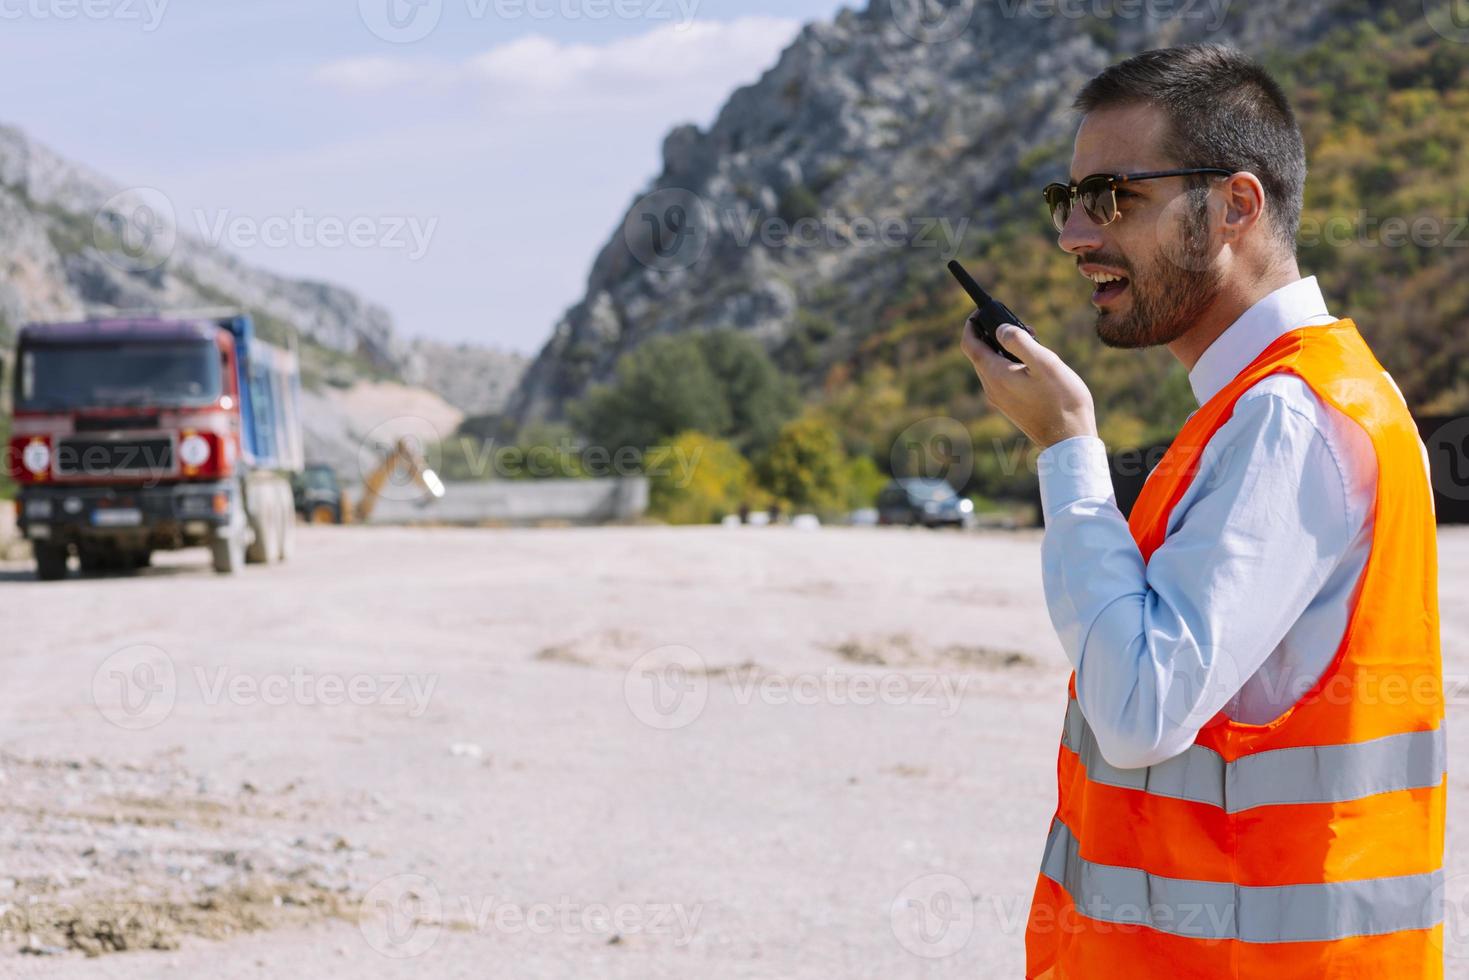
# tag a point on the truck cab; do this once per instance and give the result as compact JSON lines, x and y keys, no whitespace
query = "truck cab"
{"x":132,"y":435}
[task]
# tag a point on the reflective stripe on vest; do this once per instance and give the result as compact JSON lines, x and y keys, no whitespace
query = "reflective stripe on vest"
{"x":1221,"y":910}
{"x":1304,"y":774}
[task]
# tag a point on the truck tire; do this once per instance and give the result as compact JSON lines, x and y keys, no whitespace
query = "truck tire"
{"x":229,"y":554}
{"x":288,"y":531}
{"x":50,"y":561}
{"x":257,"y":552}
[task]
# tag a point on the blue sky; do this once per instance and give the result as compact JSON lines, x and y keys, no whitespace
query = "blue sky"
{"x":485,"y":149}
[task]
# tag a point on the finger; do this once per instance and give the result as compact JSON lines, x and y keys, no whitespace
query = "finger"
{"x":1023,"y":345}
{"x":974,"y":345}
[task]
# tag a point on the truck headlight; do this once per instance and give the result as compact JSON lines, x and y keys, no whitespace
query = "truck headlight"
{"x":194,"y":451}
{"x":36,"y":456}
{"x":38,"y":509}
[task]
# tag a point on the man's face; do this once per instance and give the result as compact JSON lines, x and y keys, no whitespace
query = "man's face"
{"x":1160,"y":242}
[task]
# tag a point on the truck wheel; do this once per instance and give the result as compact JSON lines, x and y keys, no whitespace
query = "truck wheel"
{"x":50,"y":561}
{"x":229,"y":554}
{"x":288,"y":533}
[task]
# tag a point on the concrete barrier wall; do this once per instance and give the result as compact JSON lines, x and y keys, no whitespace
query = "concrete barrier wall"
{"x":518,"y":502}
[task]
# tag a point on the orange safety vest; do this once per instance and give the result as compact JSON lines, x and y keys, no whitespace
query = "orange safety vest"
{"x":1309,"y":848}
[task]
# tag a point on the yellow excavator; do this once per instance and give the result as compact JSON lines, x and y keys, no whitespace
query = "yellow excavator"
{"x":403,"y":457}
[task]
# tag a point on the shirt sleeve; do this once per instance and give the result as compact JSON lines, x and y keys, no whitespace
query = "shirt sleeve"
{"x":1160,"y":648}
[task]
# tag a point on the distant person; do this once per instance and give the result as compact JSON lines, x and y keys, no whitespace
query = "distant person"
{"x":1252,"y":766}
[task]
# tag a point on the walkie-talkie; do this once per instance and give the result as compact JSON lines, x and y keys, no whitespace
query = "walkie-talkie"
{"x":992,"y":314}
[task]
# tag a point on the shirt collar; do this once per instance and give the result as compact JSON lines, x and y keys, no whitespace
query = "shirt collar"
{"x":1296,"y":305}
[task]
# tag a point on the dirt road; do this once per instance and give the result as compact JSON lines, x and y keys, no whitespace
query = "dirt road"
{"x":560,"y":753}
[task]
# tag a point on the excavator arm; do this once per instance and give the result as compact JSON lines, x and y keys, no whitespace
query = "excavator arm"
{"x":405,"y":457}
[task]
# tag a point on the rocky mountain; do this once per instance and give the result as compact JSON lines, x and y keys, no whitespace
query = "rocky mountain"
{"x":475,"y":380}
{"x":74,"y":243}
{"x":881,"y":144}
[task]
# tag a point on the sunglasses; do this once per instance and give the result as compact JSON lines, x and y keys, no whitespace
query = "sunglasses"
{"x":1098,"y":193}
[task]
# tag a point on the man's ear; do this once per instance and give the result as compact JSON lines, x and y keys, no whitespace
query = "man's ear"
{"x":1244,"y":205}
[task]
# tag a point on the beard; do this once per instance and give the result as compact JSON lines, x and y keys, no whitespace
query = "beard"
{"x":1172,"y":293}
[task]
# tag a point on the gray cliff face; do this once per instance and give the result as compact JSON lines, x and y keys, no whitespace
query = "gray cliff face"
{"x":62,"y":257}
{"x":59,"y":263}
{"x":858,"y":122}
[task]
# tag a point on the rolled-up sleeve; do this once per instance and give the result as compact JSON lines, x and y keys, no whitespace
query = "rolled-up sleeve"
{"x":1161,"y":647}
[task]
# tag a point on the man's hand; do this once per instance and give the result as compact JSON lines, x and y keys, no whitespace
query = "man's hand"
{"x":1043,"y":397}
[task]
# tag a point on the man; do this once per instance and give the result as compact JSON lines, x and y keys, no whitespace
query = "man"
{"x":1252,"y":764}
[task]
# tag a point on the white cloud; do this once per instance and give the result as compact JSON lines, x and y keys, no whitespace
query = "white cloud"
{"x":691,"y":62}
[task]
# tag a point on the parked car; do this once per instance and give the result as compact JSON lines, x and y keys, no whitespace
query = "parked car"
{"x":932,"y":503}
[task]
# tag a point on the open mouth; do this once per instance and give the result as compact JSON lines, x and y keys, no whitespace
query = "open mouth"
{"x":1108,"y":287}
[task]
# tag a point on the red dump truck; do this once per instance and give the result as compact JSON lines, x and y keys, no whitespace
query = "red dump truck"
{"x":154,"y":432}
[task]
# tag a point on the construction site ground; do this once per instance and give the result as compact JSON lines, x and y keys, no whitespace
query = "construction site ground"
{"x":618,"y":752}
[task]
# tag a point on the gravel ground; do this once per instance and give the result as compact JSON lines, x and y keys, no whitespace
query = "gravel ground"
{"x":633,"y":752}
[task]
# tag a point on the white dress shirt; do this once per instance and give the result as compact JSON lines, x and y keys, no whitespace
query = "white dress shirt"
{"x":1244,"y":604}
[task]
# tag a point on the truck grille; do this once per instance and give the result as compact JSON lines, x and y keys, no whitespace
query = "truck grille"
{"x":93,"y":457}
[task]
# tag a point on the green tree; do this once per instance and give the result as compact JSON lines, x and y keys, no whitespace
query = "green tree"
{"x":864,"y":481}
{"x":720,"y":383}
{"x":807,"y":467}
{"x":697,"y":479}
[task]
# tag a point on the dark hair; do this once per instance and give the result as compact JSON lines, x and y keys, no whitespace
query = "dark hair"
{"x":1224,"y":110}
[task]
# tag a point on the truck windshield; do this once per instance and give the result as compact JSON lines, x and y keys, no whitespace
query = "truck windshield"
{"x":60,"y":376}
